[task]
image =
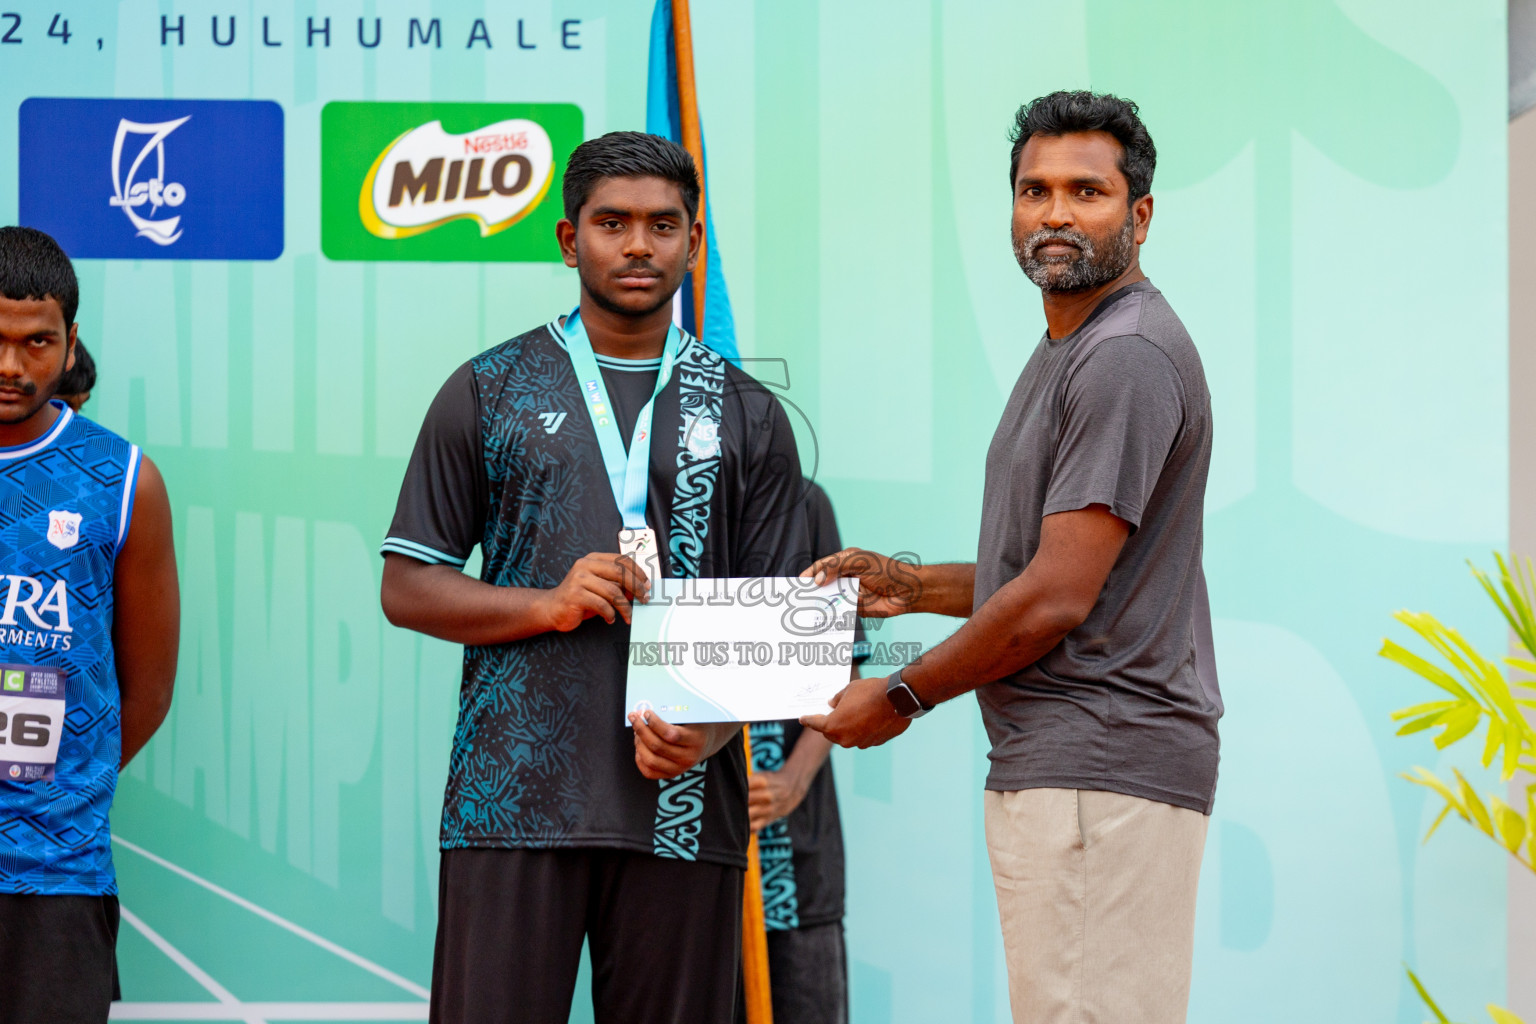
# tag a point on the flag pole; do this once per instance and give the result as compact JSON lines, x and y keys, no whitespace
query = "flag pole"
{"x":754,"y":931}
{"x":693,"y":142}
{"x":754,"y":935}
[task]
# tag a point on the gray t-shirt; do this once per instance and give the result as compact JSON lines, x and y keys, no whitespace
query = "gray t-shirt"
{"x":1118,"y":414}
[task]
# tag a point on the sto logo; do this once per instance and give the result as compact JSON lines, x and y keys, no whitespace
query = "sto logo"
{"x":130,"y":193}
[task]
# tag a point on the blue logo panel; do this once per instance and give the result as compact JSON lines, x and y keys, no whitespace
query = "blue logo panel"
{"x":154,"y":179}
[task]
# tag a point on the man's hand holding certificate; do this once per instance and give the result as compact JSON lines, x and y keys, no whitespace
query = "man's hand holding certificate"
{"x":740,"y":650}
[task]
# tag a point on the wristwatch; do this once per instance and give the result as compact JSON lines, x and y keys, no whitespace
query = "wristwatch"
{"x":903,"y":699}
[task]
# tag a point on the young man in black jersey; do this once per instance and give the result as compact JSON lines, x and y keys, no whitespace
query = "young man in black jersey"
{"x":560,"y":823}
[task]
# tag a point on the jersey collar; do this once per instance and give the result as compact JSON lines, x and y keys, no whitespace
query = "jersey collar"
{"x":21,"y":451}
{"x":557,"y":329}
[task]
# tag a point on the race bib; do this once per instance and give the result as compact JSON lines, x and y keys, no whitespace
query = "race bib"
{"x":31,"y":721}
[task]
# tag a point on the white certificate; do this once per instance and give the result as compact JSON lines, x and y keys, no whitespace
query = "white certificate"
{"x":740,"y":650}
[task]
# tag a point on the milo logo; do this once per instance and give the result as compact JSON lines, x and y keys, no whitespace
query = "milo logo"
{"x":427,"y":177}
{"x":443,"y":181}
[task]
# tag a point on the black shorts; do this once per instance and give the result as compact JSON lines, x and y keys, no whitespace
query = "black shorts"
{"x":58,"y":958}
{"x":664,"y":937}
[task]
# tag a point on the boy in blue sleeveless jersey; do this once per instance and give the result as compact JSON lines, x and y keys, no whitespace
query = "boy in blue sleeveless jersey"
{"x":560,"y":824}
{"x":87,"y":648}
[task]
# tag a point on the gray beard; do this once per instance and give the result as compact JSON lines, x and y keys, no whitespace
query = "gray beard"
{"x":1088,"y":268}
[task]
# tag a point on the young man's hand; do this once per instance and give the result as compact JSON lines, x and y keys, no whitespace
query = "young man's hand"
{"x":861,"y":716}
{"x":665,"y":751}
{"x":601,"y":584}
{"x":771,"y":796}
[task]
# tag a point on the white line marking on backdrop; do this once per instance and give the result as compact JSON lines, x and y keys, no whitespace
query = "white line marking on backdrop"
{"x":228,"y":1005}
{"x":282,"y":922}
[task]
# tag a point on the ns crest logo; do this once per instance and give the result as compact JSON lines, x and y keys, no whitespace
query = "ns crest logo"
{"x":63,"y":529}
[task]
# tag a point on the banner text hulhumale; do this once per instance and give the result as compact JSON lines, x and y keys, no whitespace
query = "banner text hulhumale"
{"x":278,"y":839}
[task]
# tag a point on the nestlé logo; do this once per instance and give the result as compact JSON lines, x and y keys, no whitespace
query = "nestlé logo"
{"x":428,"y":177}
{"x":443,"y":181}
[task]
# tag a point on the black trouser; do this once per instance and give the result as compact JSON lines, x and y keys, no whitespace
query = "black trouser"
{"x":808,"y":975}
{"x":664,"y":936}
{"x":58,"y":958}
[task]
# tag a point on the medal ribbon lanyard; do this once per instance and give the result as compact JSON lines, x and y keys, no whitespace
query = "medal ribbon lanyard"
{"x":628,"y":474}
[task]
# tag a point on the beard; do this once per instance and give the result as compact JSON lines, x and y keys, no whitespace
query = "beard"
{"x":604,"y":293}
{"x":1094,"y":264}
{"x":30,"y":390}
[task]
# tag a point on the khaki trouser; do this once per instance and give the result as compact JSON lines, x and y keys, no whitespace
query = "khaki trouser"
{"x":1097,"y":897}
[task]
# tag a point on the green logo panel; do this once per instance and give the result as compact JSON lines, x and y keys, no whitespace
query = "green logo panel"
{"x":439,"y":182}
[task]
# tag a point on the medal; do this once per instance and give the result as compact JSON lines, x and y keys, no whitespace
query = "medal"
{"x":640,"y":545}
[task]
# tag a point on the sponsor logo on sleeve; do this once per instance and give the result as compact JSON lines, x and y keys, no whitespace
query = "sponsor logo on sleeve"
{"x":154,"y":179}
{"x":443,"y":181}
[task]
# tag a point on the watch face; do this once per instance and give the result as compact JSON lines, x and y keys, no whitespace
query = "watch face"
{"x":903,"y":700}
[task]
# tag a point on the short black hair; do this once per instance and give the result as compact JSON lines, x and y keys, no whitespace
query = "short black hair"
{"x":628,"y":155}
{"x":81,"y":377}
{"x":1064,"y":112}
{"x":32,"y":266}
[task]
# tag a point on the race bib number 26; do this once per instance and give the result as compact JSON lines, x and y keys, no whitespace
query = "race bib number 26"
{"x":31,"y":721}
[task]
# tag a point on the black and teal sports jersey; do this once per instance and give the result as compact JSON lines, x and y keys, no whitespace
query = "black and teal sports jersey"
{"x":802,"y":852}
{"x":508,"y":459}
{"x":66,"y":501}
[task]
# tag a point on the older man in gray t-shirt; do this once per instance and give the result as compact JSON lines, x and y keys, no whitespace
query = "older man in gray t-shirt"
{"x":1088,"y":632}
{"x":1116,"y":414}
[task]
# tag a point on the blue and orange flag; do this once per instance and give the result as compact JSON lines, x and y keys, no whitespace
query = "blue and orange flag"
{"x":672,"y":111}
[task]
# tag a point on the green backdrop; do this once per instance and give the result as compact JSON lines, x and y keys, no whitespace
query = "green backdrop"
{"x":1330,"y":211}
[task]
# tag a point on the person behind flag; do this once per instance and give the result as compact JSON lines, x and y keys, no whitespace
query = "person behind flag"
{"x":87,"y":648}
{"x":79,"y":380}
{"x":585,"y":457}
{"x":792,"y":800}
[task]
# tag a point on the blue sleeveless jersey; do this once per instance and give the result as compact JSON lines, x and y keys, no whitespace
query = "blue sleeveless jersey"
{"x":65,"y":504}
